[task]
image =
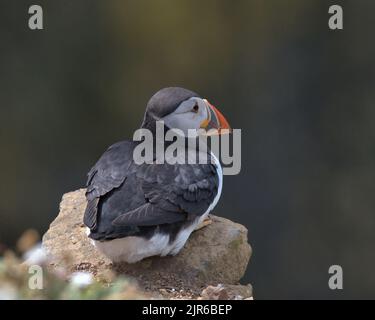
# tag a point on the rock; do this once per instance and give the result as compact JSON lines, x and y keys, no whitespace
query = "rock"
{"x":217,"y":253}
{"x":227,"y":292}
{"x":215,"y":293}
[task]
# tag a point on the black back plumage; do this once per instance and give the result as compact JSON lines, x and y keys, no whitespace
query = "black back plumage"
{"x":129,"y":199}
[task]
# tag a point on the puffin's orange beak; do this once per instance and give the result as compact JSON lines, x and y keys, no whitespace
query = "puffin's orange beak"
{"x":215,"y":120}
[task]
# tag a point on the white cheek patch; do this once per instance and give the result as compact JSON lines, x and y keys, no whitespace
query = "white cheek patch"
{"x":184,"y":118}
{"x":178,"y":121}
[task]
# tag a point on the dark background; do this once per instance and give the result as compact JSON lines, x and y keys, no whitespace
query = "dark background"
{"x":302,"y":94}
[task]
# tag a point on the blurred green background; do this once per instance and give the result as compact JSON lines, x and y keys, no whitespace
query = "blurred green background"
{"x":302,"y":94}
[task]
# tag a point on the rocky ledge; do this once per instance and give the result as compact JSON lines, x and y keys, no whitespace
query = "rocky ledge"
{"x":210,"y":265}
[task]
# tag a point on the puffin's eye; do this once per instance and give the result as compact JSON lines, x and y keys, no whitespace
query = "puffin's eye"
{"x":195,"y":108}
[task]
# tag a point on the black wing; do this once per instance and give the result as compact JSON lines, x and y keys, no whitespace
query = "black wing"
{"x":172,"y":193}
{"x":107,"y":174}
{"x":124,"y":197}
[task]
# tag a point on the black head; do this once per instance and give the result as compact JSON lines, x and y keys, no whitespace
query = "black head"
{"x":166,"y":101}
{"x":182,"y":109}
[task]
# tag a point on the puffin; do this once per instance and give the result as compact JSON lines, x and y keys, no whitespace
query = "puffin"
{"x":134,"y":210}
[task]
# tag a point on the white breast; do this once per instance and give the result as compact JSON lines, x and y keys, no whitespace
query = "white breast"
{"x":133,"y":249}
{"x":220,"y":175}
